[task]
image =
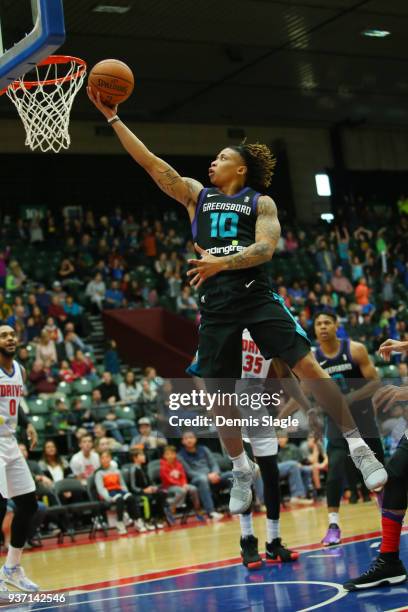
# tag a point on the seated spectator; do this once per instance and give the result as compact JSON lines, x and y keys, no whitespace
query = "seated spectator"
{"x":96,"y":290}
{"x":186,"y":304}
{"x":4,"y":256}
{"x":150,"y":375}
{"x":43,"y":299}
{"x":289,"y":465}
{"x":141,"y":485}
{"x":148,"y":438}
{"x":114,"y":297}
{"x":54,"y":466}
{"x":108,"y":388}
{"x":66,"y":270}
{"x":56,"y":310}
{"x":129,"y":390}
{"x":114,"y":425}
{"x":71,"y":308}
{"x":44,"y":486}
{"x":66,"y":373}
{"x":291,"y":244}
{"x":62,"y":419}
{"x":314,"y":455}
{"x":86,"y":461}
{"x":110,"y":444}
{"x":5,"y":309}
{"x":341,"y":283}
{"x":53,"y":331}
{"x":111,"y":358}
{"x":82,"y":366}
{"x":174,"y":481}
{"x":112,"y":488}
{"x":46,"y":350}
{"x":203,"y":471}
{"x":15,"y":278}
{"x":42,"y":379}
{"x":66,"y":349}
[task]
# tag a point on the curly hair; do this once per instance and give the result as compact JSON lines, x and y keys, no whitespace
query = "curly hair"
{"x":260,"y":162}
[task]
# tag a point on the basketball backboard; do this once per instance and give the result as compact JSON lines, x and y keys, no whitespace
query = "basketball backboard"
{"x":47,"y":33}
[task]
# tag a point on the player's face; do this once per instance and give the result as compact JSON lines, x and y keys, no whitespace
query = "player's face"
{"x":8,"y":341}
{"x":325,"y":328}
{"x":226,"y":167}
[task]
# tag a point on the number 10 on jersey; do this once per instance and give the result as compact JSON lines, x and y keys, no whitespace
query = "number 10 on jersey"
{"x":224,"y":225}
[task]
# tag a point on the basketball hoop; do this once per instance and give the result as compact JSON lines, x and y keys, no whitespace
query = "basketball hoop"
{"x":44,"y":103}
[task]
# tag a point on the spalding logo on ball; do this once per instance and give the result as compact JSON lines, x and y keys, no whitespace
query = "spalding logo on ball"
{"x":113,"y":79}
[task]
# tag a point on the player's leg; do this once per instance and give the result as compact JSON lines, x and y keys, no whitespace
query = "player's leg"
{"x":21,"y":489}
{"x":388,"y":569}
{"x":279,"y":335}
{"x":219,"y":363}
{"x":12,"y":572}
{"x":275,"y":551}
{"x":328,"y":395}
{"x":337,"y":455}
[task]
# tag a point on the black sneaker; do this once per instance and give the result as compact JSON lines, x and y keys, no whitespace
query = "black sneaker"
{"x":249,"y":552}
{"x":276,"y":552}
{"x":381,"y":573}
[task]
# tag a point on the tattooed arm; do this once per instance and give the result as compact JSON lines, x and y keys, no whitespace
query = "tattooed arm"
{"x":267,"y":233}
{"x":184,"y":190}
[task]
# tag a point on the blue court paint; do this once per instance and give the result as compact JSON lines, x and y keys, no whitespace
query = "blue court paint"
{"x":312,"y":583}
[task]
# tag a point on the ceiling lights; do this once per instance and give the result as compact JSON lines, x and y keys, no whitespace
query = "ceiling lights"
{"x":375,"y":33}
{"x":111,"y":8}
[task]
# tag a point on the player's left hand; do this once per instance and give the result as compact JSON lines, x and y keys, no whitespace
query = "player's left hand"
{"x":32,"y":435}
{"x":207,"y":266}
{"x":389,"y":395}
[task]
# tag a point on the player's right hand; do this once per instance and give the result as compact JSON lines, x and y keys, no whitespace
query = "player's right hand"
{"x":108,"y":111}
{"x":390,"y":346}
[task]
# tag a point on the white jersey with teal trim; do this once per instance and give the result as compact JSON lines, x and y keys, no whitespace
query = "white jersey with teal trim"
{"x":253,"y":364}
{"x":11,"y":392}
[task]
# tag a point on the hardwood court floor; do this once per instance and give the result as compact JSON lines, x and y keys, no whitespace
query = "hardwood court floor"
{"x":106,"y":559}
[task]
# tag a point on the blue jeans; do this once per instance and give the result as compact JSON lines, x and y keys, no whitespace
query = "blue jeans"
{"x":292,"y":470}
{"x":114,"y":427}
{"x":204,"y":488}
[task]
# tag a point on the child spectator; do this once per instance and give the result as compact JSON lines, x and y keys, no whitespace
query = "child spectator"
{"x":112,"y":488}
{"x":174,"y":481}
{"x":111,"y":359}
{"x":154,"y":499}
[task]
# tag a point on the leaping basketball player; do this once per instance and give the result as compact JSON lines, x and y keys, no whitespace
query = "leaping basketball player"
{"x":388,"y":569}
{"x":16,"y":481}
{"x":236,"y":230}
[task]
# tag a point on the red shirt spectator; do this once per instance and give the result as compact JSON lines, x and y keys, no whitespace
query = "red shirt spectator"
{"x":81,"y":365}
{"x":172,"y":473}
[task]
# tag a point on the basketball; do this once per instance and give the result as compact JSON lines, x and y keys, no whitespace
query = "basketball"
{"x":113,"y":79}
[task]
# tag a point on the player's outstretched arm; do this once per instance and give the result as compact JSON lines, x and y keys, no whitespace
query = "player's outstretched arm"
{"x":184,"y":190}
{"x":361,"y":357}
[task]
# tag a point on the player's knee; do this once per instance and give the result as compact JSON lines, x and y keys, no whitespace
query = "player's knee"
{"x":307,"y":367}
{"x":26,"y":504}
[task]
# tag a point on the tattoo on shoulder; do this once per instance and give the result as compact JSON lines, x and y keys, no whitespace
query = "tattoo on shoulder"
{"x":266,"y":206}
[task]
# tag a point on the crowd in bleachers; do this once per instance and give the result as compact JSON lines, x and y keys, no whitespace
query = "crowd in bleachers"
{"x":55,"y":273}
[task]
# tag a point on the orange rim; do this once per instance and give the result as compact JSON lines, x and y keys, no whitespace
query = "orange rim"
{"x":52,"y":59}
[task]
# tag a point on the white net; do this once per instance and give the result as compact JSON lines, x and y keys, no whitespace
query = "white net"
{"x":44,"y":103}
